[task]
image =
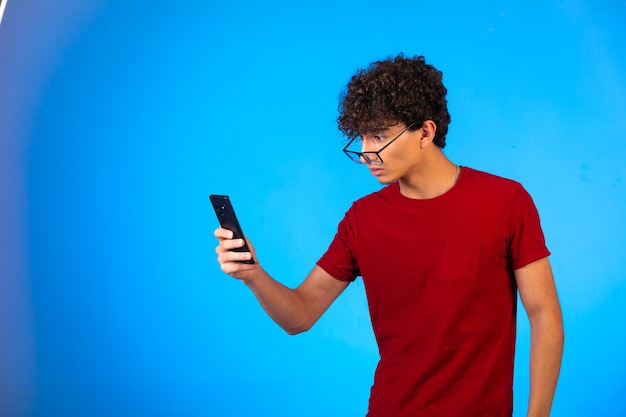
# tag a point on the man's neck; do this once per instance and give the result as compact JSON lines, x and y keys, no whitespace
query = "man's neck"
{"x":433,"y":176}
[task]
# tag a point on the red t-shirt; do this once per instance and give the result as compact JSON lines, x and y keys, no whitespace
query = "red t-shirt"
{"x":438,"y":274}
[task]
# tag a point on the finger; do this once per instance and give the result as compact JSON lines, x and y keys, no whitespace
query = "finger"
{"x":224,"y":257}
{"x":233,"y":243}
{"x":229,"y":245}
{"x":222,"y":233}
{"x":235,"y":269}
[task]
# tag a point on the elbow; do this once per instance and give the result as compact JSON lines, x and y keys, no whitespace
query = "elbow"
{"x":292,"y":331}
{"x":297,"y":329}
{"x":301,"y":320}
{"x":550,"y":323}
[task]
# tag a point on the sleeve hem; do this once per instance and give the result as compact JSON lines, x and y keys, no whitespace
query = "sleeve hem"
{"x":335,"y":273}
{"x":530,"y":259}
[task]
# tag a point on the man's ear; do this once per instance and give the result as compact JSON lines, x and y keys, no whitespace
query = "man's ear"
{"x":428,"y":133}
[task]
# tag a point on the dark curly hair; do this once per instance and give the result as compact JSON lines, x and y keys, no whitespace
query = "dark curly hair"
{"x":406,"y":90}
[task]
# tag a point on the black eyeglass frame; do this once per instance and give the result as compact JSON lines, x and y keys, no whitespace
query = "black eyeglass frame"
{"x":363,"y":158}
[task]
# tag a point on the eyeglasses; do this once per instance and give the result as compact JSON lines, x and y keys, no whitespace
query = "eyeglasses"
{"x":371,"y":157}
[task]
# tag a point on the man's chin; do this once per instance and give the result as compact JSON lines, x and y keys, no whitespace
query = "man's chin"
{"x":385,"y":180}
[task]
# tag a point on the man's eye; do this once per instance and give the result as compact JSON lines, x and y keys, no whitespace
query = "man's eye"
{"x":379,"y":138}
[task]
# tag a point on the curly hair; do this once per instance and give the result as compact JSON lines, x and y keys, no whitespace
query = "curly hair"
{"x":406,"y":90}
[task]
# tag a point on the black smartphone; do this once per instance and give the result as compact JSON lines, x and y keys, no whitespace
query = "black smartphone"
{"x":228,"y":220}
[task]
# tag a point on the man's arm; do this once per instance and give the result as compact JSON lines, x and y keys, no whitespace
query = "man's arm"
{"x":538,"y":294}
{"x":295,"y":310}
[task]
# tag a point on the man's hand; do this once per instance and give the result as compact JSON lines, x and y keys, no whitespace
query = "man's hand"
{"x":230,"y":261}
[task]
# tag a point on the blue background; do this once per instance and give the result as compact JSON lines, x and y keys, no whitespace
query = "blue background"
{"x":119,"y":118}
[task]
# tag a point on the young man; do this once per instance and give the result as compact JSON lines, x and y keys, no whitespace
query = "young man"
{"x":442,"y":251}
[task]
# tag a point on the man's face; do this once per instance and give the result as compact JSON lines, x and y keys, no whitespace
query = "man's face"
{"x":391,"y":152}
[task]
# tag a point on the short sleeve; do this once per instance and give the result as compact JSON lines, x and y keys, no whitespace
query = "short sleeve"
{"x":526,"y":242}
{"x":340,"y":259}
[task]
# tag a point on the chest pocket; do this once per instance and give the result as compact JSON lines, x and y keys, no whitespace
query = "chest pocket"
{"x":460,"y":260}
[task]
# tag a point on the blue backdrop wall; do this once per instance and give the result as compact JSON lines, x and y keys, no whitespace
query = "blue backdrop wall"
{"x":119,"y":118}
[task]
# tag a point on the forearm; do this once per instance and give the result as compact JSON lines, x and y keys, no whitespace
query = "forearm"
{"x":295,"y":310}
{"x":545,"y":362}
{"x":284,"y":305}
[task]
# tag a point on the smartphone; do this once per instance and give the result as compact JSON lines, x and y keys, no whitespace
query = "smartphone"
{"x":228,"y":220}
